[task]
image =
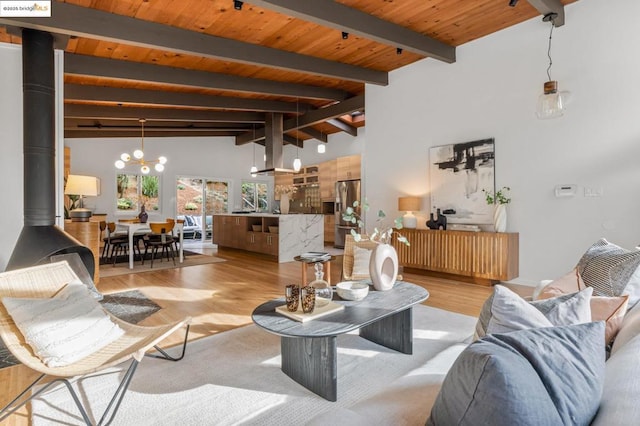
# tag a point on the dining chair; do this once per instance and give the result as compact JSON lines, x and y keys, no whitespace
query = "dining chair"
{"x":161,"y":237}
{"x":114,"y":242}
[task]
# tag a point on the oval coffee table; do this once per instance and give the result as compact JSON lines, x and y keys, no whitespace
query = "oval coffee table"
{"x":309,"y":349}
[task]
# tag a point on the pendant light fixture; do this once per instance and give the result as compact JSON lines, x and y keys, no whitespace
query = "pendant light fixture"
{"x":138,"y":157}
{"x":297,"y":163}
{"x":321,"y":148}
{"x":254,"y":169}
{"x":551,"y":103}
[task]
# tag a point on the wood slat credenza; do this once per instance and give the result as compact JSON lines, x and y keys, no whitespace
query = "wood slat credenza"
{"x":486,"y":257}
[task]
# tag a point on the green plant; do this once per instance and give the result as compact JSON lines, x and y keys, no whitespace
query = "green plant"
{"x":382,"y":233}
{"x":124,"y":204}
{"x":150,"y":186}
{"x":190,"y":206}
{"x":501,"y":196}
{"x":181,"y":187}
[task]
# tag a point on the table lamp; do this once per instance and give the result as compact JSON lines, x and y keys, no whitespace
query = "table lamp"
{"x":83,"y":186}
{"x":409,"y":205}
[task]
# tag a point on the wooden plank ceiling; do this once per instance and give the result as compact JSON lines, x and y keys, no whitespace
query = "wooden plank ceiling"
{"x":216,"y":67}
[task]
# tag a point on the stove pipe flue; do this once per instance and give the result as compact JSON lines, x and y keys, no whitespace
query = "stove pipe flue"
{"x":40,"y":238}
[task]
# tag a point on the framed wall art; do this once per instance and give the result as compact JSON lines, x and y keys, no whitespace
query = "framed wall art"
{"x":458,"y":173}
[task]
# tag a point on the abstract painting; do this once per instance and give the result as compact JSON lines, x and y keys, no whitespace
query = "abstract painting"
{"x":458,"y":173}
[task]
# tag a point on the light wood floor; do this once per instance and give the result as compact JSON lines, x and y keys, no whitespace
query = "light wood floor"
{"x":221,"y":297}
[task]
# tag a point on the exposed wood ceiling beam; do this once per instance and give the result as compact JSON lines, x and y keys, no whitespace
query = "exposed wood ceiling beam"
{"x":316,"y":134}
{"x":546,"y":7}
{"x":343,"y":18}
{"x":290,"y":140}
{"x":95,"y":24}
{"x":90,"y":124}
{"x":136,"y":134}
{"x":309,"y":119}
{"x":347,"y":128}
{"x":127,"y":70}
{"x":77,"y":92}
{"x":166,"y":114}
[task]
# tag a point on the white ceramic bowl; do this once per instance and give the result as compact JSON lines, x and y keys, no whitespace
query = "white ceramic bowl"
{"x":352,"y":290}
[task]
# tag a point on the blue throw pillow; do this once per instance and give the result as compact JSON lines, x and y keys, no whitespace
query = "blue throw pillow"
{"x":544,"y":376}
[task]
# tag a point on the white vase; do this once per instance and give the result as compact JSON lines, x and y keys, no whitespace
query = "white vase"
{"x":500,"y":218}
{"x":284,"y":203}
{"x":383,"y":267}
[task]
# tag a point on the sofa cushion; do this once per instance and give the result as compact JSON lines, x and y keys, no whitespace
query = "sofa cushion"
{"x":65,"y":328}
{"x":506,"y":311}
{"x":506,"y":379}
{"x":619,"y":403}
{"x":611,"y":270}
{"x":568,"y":283}
{"x":629,"y":329}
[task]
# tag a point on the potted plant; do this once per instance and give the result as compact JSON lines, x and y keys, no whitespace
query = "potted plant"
{"x":383,"y":264}
{"x":500,"y":199}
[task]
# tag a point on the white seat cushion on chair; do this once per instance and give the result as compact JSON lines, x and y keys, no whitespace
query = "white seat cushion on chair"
{"x":65,"y":328}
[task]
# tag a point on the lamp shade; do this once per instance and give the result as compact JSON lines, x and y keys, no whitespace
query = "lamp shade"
{"x":408,"y":204}
{"x":82,"y":185}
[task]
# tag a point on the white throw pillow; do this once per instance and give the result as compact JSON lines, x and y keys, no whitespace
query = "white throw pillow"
{"x":361,"y":257}
{"x":65,"y":328}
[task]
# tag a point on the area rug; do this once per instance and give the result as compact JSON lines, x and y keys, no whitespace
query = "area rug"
{"x":235,"y":378}
{"x":122,"y":268}
{"x":132,"y":306}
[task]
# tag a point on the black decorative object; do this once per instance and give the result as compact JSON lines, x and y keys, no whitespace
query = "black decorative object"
{"x":439,"y":223}
{"x":143,"y":216}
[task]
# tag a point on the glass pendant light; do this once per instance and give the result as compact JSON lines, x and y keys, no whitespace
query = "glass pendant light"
{"x":297,"y":163}
{"x":551,"y":103}
{"x":254,"y":169}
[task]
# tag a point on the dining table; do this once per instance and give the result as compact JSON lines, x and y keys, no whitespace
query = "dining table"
{"x":137,"y":228}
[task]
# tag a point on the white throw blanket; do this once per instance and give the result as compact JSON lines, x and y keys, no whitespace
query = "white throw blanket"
{"x":235,"y":378}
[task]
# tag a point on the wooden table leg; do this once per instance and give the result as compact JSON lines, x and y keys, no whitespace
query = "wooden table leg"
{"x":394,"y":332}
{"x":312,"y":362}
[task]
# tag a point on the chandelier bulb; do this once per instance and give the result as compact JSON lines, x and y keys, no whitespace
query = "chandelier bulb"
{"x":162,"y":160}
{"x":125,"y":157}
{"x":119,"y":164}
{"x":145,"y":169}
{"x":138,"y":154}
{"x":322,"y":149}
{"x":159,"y":167}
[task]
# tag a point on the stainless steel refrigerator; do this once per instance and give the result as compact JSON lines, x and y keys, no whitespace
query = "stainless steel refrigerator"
{"x":347,"y":191}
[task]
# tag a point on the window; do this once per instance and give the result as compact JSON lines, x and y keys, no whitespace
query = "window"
{"x":135,"y":190}
{"x":254,"y":196}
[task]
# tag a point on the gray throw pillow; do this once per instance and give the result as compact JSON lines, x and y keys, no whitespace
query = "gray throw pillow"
{"x":543,"y":376}
{"x":506,"y":311}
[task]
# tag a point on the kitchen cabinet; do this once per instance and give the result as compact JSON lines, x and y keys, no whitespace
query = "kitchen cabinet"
{"x":280,"y":236}
{"x":329,"y":229}
{"x":348,"y":168}
{"x":328,"y":171}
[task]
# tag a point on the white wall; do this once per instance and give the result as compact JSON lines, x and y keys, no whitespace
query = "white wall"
{"x":10,"y":148}
{"x":208,"y":157}
{"x":491,"y":91}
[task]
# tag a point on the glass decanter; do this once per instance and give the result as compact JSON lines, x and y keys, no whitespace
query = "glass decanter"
{"x":324,"y":293}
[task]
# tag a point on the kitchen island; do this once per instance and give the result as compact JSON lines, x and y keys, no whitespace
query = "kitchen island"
{"x":283,"y":236}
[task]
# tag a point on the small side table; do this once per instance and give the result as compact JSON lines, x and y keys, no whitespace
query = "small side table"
{"x":325,"y":262}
